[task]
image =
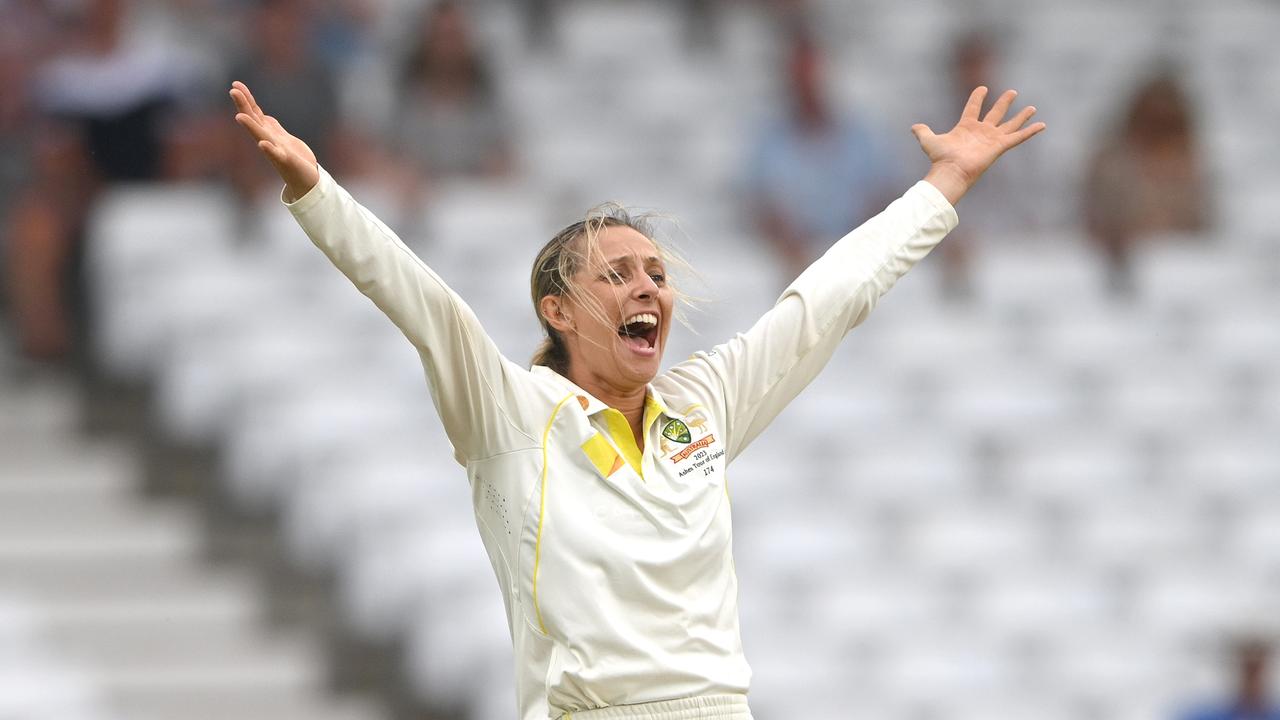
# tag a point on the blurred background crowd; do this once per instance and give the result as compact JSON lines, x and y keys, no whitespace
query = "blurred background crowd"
{"x":1047,"y":484}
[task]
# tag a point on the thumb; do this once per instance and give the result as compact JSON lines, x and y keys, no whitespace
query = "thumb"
{"x":922,"y":132}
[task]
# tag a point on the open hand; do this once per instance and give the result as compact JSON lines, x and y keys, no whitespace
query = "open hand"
{"x":290,"y":156}
{"x":962,"y":154}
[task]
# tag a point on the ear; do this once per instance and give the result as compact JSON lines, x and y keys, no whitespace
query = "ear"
{"x":553,"y":310}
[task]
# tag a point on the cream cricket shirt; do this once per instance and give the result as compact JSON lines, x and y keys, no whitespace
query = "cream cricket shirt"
{"x":614,"y":562}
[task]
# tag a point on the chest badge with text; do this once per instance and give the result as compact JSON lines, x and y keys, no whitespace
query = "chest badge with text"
{"x":676,"y":430}
{"x":691,"y":440}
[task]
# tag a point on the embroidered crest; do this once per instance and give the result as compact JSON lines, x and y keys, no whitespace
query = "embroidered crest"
{"x":678,"y":431}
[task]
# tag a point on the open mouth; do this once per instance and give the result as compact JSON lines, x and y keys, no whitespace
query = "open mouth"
{"x":640,"y":332}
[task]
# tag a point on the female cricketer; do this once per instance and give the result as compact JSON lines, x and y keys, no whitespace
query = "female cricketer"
{"x":598,"y":483}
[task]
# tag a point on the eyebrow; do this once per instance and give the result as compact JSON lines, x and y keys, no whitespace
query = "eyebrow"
{"x":652,"y":259}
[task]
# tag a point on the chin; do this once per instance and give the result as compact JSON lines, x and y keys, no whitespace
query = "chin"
{"x":644,"y":371}
{"x":640,"y":367}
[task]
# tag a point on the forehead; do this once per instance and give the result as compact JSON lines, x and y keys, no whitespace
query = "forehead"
{"x":624,"y":242}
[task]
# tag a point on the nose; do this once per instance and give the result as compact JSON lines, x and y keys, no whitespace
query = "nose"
{"x":645,"y":288}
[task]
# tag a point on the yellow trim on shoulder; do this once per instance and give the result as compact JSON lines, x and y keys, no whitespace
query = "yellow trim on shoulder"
{"x":542,"y":511}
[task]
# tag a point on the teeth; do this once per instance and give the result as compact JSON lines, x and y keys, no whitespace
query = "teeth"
{"x":642,"y":318}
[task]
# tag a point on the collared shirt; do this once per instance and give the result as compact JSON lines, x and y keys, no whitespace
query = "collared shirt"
{"x":614,"y":560}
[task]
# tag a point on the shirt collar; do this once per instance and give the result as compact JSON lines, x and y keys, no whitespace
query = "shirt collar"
{"x":591,"y":405}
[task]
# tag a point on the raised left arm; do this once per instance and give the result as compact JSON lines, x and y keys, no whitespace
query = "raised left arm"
{"x":752,"y":377}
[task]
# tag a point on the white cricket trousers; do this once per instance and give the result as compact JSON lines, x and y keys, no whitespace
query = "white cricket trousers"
{"x":708,"y":707}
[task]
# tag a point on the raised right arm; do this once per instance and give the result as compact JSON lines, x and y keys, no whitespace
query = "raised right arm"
{"x":479,"y":394}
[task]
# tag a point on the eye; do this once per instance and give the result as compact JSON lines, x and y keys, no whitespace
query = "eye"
{"x":612,"y":276}
{"x":658,"y":278}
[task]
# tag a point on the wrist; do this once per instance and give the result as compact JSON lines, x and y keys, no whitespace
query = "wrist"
{"x":293,"y":192}
{"x":950,"y":180}
{"x":296,"y":188}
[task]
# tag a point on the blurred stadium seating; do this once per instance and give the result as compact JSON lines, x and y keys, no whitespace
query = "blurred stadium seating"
{"x":1043,"y":502}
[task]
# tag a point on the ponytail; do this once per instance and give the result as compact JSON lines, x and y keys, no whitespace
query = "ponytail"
{"x":553,"y":353}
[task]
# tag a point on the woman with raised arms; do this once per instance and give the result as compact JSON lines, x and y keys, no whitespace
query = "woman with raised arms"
{"x":599,"y":481}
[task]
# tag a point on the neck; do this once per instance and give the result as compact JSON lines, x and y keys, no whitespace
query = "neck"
{"x":627,"y":400}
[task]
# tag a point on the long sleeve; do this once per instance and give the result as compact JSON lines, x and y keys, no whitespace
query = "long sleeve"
{"x":752,"y":377}
{"x":477,"y":392}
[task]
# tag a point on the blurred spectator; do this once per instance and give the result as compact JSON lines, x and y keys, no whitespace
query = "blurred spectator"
{"x":450,"y":121}
{"x":347,"y":30}
{"x":700,"y":22}
{"x":813,"y":174}
{"x":41,"y":228}
{"x":282,"y":67}
{"x":18,"y":56}
{"x":99,"y":111}
{"x":1148,"y":177}
{"x":116,"y":94}
{"x":32,"y":242}
{"x":1252,"y":700}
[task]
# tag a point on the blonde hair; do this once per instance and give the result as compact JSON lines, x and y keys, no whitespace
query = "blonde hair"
{"x":570,"y":250}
